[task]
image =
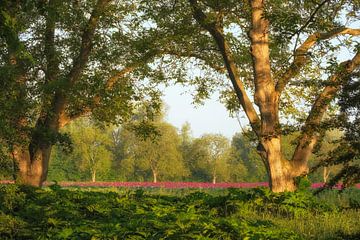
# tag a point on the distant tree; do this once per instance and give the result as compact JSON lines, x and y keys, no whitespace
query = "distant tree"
{"x":329,"y":143}
{"x":91,"y":144}
{"x":244,"y":153}
{"x":159,"y":155}
{"x":89,"y":156}
{"x":210,"y":156}
{"x":186,"y":140}
{"x":64,"y":166}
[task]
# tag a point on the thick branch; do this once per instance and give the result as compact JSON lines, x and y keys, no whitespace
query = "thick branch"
{"x":86,"y":41}
{"x":50,"y":52}
{"x":309,"y":136}
{"x":265,"y":96}
{"x":302,"y":57}
{"x":230,"y":65}
{"x":59,"y":101}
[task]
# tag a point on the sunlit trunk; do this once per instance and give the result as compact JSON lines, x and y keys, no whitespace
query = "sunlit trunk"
{"x":154,"y":176}
{"x":326,"y":174}
{"x":280,"y":174}
{"x":214,"y":179}
{"x":93,"y":176}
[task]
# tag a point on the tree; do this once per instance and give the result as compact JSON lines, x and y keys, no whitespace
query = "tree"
{"x":159,"y":155}
{"x":186,"y":142}
{"x":330,"y":142}
{"x":276,"y":50}
{"x":63,"y":166}
{"x":210,"y":156}
{"x":88,"y":156}
{"x":244,"y":148}
{"x":92,"y":144}
{"x":60,"y":60}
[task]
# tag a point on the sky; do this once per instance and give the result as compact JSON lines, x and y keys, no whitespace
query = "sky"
{"x":212,"y":117}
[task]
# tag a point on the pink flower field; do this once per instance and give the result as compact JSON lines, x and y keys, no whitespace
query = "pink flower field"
{"x":170,"y":185}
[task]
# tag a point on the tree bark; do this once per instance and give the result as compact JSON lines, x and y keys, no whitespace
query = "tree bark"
{"x":267,"y":99}
{"x":279,"y":169}
{"x":326,"y":174}
{"x":33,"y":167}
{"x":214,"y":179}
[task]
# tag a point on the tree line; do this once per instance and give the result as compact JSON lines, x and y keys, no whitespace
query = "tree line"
{"x":111,"y":153}
{"x":97,"y":152}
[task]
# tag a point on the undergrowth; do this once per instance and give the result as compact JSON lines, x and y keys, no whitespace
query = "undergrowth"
{"x":60,"y":213}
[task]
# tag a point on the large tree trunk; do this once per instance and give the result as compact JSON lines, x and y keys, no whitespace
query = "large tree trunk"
{"x":33,"y":165}
{"x":279,"y":169}
{"x":266,"y":97}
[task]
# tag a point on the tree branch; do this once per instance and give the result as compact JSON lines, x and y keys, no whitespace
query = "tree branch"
{"x":60,"y":100}
{"x":86,"y":41}
{"x":302,"y":57}
{"x":311,"y":18}
{"x":309,"y":136}
{"x":214,"y":29}
{"x":52,"y":65}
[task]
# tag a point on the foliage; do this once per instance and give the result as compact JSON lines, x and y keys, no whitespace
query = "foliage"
{"x":124,"y":155}
{"x":59,"y":213}
{"x":209,"y":158}
{"x":60,"y":60}
{"x":347,"y":155}
{"x":92,"y":148}
{"x":89,"y":156}
{"x":158,"y":158}
{"x":244,"y":148}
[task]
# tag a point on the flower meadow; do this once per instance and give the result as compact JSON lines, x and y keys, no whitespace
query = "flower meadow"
{"x":171,"y":185}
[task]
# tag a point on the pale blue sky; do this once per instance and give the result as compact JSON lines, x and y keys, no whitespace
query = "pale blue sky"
{"x":212,"y":117}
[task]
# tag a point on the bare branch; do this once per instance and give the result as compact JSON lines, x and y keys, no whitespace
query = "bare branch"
{"x":311,"y":18}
